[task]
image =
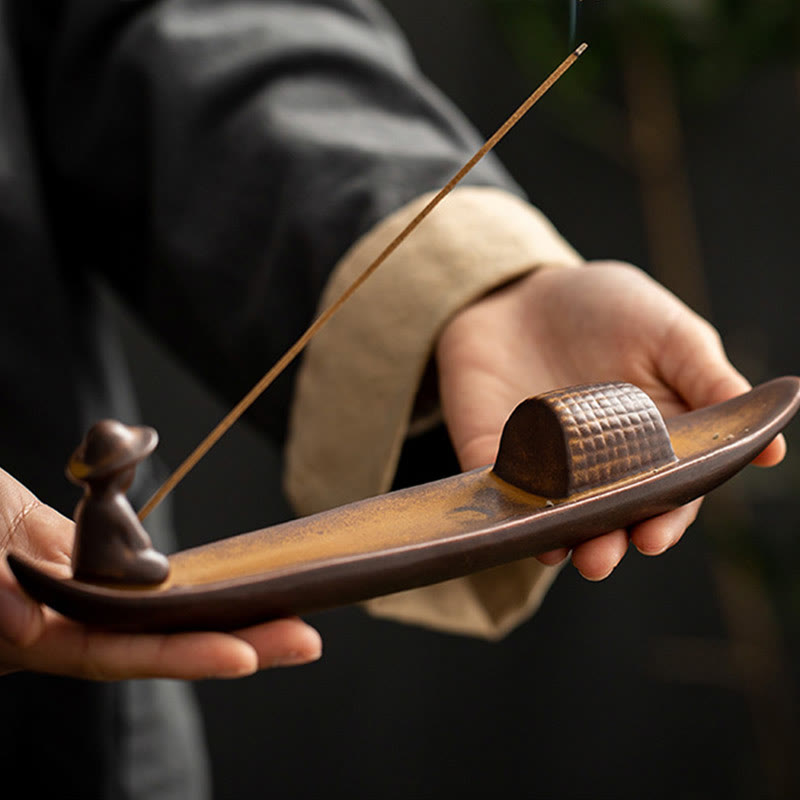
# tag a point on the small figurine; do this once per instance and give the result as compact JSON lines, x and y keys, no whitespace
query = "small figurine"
{"x":111,"y":546}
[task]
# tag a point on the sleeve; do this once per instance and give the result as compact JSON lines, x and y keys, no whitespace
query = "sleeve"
{"x":355,"y":394}
{"x":214,"y":161}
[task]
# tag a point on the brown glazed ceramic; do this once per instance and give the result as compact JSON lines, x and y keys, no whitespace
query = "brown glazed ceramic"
{"x":572,"y":440}
{"x":111,"y":546}
{"x":456,"y":526}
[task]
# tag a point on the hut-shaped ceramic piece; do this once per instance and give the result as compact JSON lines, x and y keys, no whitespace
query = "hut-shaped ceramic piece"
{"x":573,"y":440}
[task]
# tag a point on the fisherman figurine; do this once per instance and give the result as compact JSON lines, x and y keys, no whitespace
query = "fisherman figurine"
{"x":111,"y":546}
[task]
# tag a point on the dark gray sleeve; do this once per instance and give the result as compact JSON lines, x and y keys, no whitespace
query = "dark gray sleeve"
{"x":215,"y":159}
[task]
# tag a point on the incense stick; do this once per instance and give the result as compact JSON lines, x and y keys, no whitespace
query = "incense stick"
{"x":233,"y":415}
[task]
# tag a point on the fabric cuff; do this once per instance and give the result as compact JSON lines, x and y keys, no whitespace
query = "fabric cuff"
{"x":356,"y":387}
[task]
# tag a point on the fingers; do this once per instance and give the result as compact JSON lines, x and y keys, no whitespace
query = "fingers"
{"x":653,"y":536}
{"x":694,"y":364}
{"x":283,"y":643}
{"x":773,"y":454}
{"x":553,"y":557}
{"x":70,"y":649}
{"x":597,"y":558}
{"x":21,"y":620}
{"x":702,"y":375}
{"x":710,"y":378}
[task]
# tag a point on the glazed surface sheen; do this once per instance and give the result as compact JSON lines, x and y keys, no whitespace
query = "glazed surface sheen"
{"x":421,"y":535}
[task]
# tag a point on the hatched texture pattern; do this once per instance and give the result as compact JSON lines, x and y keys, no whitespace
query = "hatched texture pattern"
{"x":611,"y":431}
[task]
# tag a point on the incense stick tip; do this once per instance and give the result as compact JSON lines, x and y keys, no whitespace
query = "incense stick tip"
{"x":580,"y":50}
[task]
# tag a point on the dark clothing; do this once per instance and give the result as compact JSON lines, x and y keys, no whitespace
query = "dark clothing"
{"x":211,"y":161}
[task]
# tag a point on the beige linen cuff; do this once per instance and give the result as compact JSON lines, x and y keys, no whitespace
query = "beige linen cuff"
{"x":357,"y":384}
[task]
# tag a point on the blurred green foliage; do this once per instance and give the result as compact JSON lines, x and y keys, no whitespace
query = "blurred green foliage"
{"x":710,"y":44}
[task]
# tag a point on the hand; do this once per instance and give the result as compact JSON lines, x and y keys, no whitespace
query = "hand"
{"x":559,"y":327}
{"x":36,"y":638}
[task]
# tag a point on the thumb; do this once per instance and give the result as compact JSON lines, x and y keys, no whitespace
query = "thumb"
{"x":478,"y":451}
{"x":708,"y":377}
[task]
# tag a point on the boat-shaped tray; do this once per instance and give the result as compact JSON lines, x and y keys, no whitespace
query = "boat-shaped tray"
{"x":420,"y":535}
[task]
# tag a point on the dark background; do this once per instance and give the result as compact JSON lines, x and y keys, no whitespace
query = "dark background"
{"x":675,"y":678}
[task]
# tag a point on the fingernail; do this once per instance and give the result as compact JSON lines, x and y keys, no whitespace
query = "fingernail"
{"x":240,"y":671}
{"x":657,"y":552}
{"x":660,"y":550}
{"x":296,"y":659}
{"x":596,"y":580}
